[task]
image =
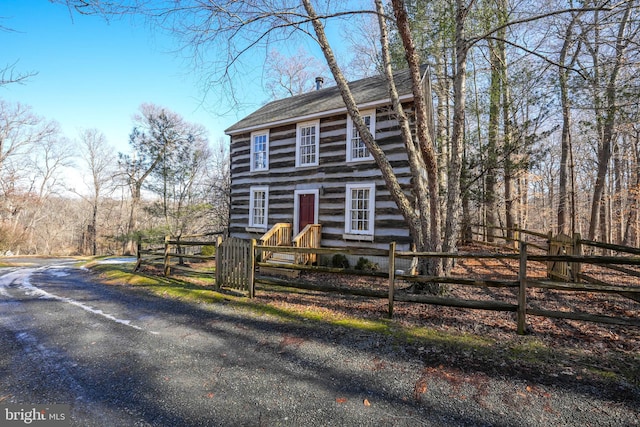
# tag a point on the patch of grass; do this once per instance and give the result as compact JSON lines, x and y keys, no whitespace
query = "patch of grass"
{"x":605,"y":375}
{"x":119,"y":274}
{"x":190,"y":293}
{"x":448,"y":339}
{"x":530,"y":350}
{"x":16,"y":264}
{"x":483,"y":350}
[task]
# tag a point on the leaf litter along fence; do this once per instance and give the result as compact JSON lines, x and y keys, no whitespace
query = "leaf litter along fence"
{"x":518,"y":291}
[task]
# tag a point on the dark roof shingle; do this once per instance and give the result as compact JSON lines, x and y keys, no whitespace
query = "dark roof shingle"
{"x":367,"y":90}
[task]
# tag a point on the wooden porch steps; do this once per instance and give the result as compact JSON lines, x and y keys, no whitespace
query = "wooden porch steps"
{"x":280,"y":258}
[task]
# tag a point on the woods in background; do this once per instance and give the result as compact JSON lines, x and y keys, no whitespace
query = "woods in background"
{"x":60,"y":196}
{"x":535,"y":119}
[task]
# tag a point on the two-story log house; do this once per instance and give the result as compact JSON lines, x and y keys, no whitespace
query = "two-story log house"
{"x":298,"y":166}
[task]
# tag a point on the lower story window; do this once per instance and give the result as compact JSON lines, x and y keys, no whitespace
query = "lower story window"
{"x":359,"y":209}
{"x":258,"y":207}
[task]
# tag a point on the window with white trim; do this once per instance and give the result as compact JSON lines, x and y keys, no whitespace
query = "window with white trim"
{"x":258,"y":207}
{"x":308,"y":143}
{"x":359,"y":209}
{"x":356,"y":149}
{"x":260,"y":151}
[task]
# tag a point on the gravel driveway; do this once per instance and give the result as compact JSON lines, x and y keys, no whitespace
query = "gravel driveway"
{"x":121,"y":357}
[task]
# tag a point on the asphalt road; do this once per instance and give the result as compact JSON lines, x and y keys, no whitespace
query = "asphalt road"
{"x":120,"y":357}
{"x":123,"y":358}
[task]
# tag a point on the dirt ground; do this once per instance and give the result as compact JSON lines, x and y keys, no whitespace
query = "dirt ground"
{"x":580,"y":335}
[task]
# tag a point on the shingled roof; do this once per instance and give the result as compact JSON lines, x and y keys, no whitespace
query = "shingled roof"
{"x":365,"y":91}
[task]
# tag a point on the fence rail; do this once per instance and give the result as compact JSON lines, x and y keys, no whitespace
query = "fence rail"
{"x":522,"y":284}
{"x":240,"y":266}
{"x":171,"y":255}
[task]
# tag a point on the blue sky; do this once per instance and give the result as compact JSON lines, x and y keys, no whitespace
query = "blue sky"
{"x":94,"y":74}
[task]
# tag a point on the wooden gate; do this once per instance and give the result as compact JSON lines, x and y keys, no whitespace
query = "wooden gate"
{"x":235,"y":264}
{"x":564,"y":245}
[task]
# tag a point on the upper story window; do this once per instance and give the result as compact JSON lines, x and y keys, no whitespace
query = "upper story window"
{"x":260,"y":151}
{"x":258,"y":207}
{"x":359,"y":209}
{"x":308,"y":144}
{"x":356,"y":150}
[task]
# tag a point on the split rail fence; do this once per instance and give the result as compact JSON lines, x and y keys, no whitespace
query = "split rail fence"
{"x":179,"y":253}
{"x":228,"y":260}
{"x":236,"y":262}
{"x":522,"y":285}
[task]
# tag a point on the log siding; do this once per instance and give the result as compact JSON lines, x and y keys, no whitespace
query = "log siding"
{"x":330,"y":178}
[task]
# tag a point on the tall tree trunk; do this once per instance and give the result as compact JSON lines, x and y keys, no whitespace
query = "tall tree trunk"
{"x":608,"y":122}
{"x":523,"y":190}
{"x":452,"y":225}
{"x":491,"y":162}
{"x":617,"y":222}
{"x":565,"y":143}
{"x":422,"y":213}
{"x":442,"y":90}
{"x":509,"y":150}
{"x":426,"y":145}
{"x":131,"y":246}
{"x":92,"y":229}
{"x":631,"y":230}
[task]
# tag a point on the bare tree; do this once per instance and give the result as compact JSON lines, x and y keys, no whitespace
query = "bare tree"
{"x":28,"y":167}
{"x":363,"y":39}
{"x":9,"y":74}
{"x":603,"y":78}
{"x":294,"y":75}
{"x":47,"y":161}
{"x":219,"y":186}
{"x":100,"y":162}
{"x":567,"y":58}
{"x":20,"y":130}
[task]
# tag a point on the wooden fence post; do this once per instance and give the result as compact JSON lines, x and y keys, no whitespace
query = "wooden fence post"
{"x":252,"y":268}
{"x":576,"y":267}
{"x":167,"y":269}
{"x":522,"y":291}
{"x":138,"y":256}
{"x":392,"y":275}
{"x":219,"y":250}
{"x":550,"y":252}
{"x":179,"y":251}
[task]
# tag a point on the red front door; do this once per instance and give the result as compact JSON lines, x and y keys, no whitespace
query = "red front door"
{"x":306,"y":211}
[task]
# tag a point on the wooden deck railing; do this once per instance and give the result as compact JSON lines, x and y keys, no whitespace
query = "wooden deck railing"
{"x":279,"y":235}
{"x":309,"y":237}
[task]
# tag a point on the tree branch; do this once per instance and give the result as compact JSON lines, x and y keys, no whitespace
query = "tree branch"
{"x":487,"y":35}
